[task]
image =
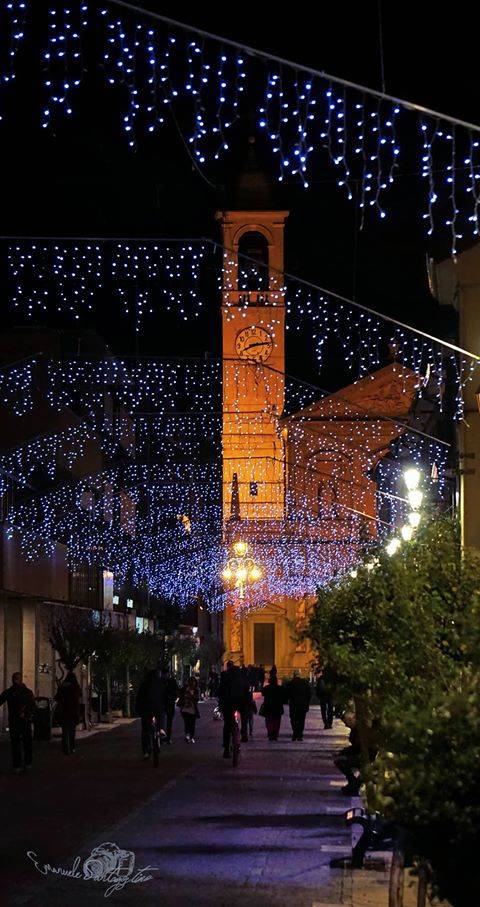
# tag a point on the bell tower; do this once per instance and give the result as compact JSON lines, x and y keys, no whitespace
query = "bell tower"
{"x":253,"y":351}
{"x":253,"y":332}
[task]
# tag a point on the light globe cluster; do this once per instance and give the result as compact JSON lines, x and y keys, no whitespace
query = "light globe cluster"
{"x":241,"y":569}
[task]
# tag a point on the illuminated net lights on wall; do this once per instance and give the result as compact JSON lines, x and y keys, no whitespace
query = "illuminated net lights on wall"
{"x":308,"y":119}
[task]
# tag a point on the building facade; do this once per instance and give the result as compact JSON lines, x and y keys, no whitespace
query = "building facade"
{"x":456,"y":283}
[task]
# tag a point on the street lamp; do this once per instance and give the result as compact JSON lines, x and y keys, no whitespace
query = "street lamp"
{"x":240,"y":568}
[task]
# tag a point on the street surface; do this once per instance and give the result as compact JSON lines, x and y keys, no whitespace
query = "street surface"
{"x":262,"y":834}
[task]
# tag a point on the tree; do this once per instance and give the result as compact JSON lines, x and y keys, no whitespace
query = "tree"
{"x":71,"y":633}
{"x":405,"y":641}
{"x":210,"y":651}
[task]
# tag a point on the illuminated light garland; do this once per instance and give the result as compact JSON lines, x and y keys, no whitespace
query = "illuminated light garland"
{"x":12,"y":33}
{"x":63,"y":57}
{"x":431,"y":458}
{"x":126,"y":518}
{"x":147,"y":277}
{"x":16,"y":385}
{"x":305,"y":115}
{"x":67,"y":277}
{"x":47,"y":453}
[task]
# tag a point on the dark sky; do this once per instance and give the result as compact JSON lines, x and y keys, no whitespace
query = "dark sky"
{"x":81,"y":179}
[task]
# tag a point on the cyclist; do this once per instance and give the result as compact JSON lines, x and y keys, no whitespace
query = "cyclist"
{"x":151,"y":703}
{"x":233,"y":696}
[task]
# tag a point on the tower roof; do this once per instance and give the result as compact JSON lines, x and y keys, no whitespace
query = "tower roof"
{"x":252,"y":188}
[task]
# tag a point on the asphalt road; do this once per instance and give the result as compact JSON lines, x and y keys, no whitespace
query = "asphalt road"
{"x":262,"y":834}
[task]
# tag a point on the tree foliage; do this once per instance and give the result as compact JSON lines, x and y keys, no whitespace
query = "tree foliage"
{"x":404,"y":639}
{"x":71,"y":633}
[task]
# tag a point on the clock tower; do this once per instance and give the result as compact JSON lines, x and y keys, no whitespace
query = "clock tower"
{"x":253,"y":334}
{"x":253,"y":350}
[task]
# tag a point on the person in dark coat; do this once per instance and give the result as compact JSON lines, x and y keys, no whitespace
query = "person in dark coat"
{"x":188,"y":705}
{"x":151,"y":703}
{"x":325,"y":691}
{"x":298,"y":695}
{"x":171,"y":696}
{"x":21,"y":706}
{"x":213,"y":682}
{"x":233,"y":695}
{"x":67,"y":711}
{"x":272,"y":706}
{"x":260,"y":677}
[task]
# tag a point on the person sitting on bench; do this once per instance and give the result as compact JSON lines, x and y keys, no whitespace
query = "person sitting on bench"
{"x":350,"y":759}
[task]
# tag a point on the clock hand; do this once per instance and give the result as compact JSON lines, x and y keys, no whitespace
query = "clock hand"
{"x":255,"y":343}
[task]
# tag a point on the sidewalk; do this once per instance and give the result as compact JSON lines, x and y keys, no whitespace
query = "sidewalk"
{"x":261,"y":835}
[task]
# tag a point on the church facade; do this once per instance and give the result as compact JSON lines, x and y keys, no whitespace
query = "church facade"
{"x":297,"y":491}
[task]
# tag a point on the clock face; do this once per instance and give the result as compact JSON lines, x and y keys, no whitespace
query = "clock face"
{"x":253,"y":343}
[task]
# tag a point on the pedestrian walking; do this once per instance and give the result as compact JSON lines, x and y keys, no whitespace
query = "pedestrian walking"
{"x":233,"y":694}
{"x":325,"y":690}
{"x":260,"y":677}
{"x":213,"y":682}
{"x":298,"y":694}
{"x":67,"y":711}
{"x":151,"y":704}
{"x":251,"y":711}
{"x":188,"y":705}
{"x":272,"y":706}
{"x":21,"y":706}
{"x":171,"y":696}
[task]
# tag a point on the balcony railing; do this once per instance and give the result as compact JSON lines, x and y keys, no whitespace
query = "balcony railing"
{"x":253,"y":297}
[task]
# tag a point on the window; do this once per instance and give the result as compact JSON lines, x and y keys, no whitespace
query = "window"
{"x":85,"y":588}
{"x":253,"y":262}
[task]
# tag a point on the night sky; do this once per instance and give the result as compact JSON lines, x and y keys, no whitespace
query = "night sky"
{"x":80,"y":178}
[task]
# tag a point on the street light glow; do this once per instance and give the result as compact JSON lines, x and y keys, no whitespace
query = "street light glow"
{"x":411,"y":478}
{"x":414,"y":519}
{"x":393,"y":546}
{"x":415,"y":498}
{"x":407,"y":532}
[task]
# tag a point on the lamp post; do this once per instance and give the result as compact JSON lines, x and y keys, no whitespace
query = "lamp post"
{"x":240,"y":568}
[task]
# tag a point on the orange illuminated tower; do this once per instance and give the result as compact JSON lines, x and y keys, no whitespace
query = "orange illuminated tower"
{"x":253,"y":331}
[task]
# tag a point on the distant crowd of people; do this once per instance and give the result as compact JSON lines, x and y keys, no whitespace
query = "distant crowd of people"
{"x":159,"y":695}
